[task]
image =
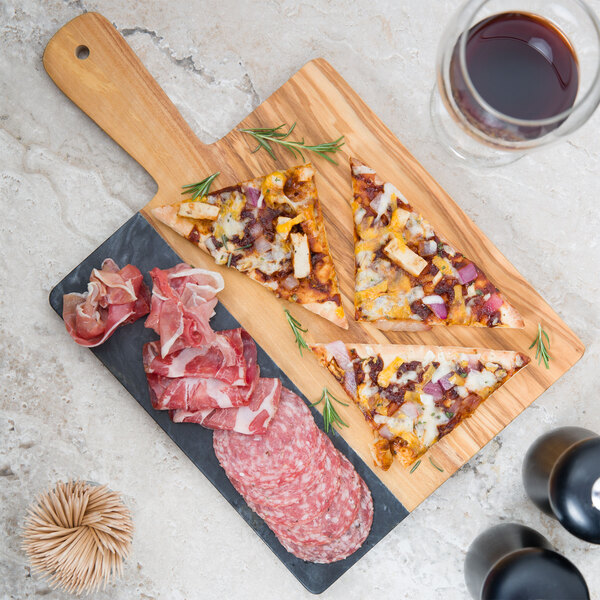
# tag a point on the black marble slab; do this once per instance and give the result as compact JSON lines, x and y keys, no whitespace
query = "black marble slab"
{"x":137,"y":242}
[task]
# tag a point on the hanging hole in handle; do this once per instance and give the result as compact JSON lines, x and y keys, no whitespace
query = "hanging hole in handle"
{"x":82,"y":52}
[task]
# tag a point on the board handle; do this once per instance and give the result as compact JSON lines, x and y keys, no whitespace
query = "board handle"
{"x":90,"y":61}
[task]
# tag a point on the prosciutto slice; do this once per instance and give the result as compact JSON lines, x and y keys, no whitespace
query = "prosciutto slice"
{"x":196,"y":393}
{"x":199,"y":375}
{"x":183,"y":301}
{"x":230,"y":358}
{"x":250,"y":420}
{"x":114,"y":297}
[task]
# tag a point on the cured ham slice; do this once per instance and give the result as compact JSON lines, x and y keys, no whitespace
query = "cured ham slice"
{"x":197,"y":393}
{"x":183,"y":301}
{"x":249,"y":420}
{"x":231,"y":358}
{"x":199,"y":375}
{"x":114,"y":297}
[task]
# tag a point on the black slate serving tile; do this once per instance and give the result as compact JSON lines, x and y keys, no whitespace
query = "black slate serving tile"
{"x":137,"y":242}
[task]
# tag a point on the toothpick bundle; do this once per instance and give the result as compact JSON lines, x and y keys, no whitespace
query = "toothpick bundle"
{"x":78,"y":535}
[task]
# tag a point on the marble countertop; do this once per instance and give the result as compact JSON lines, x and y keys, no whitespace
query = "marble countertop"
{"x":65,"y":187}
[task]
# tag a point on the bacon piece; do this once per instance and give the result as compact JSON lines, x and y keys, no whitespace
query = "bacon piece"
{"x":183,"y":301}
{"x":114,"y":297}
{"x":249,"y":420}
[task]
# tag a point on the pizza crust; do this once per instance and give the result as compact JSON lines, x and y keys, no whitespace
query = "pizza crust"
{"x":389,"y":325}
{"x":510,"y":316}
{"x":168,"y":215}
{"x":328,"y":310}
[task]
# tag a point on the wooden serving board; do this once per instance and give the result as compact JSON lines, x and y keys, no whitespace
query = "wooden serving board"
{"x":115,"y":90}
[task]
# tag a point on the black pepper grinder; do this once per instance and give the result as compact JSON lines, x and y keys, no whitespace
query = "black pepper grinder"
{"x":514,"y":562}
{"x":561,"y":474}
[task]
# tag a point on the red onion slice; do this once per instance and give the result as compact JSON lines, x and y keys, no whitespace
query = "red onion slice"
{"x":445,"y":382}
{"x":380,"y":204}
{"x":252,"y":196}
{"x":290,"y":282}
{"x":493,"y":304}
{"x":437,"y":305}
{"x":340,"y":353}
{"x":262,"y":245}
{"x":255,"y":230}
{"x":467,"y":274}
{"x":410,"y":409}
{"x":385,"y":433}
{"x":440,"y":310}
{"x":474,"y":364}
{"x":434,"y":389}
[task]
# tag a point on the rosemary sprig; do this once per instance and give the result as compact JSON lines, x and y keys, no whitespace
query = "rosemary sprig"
{"x":330,"y":415}
{"x":436,"y":466}
{"x":541,"y":352}
{"x":415,"y":467}
{"x":297,"y":329}
{"x":201,"y":188}
{"x":265,"y":135}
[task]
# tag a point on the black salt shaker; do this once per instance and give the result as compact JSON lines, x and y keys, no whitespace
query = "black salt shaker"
{"x":514,"y":562}
{"x":561,"y":474}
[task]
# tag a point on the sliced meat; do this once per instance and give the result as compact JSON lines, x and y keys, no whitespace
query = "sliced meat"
{"x":183,"y":301}
{"x":248,"y":420}
{"x":301,"y":501}
{"x":197,"y":393}
{"x":333,"y":522}
{"x":274,"y":458}
{"x":288,"y":493}
{"x":114,"y":297}
{"x":230,"y":358}
{"x":346,"y":544}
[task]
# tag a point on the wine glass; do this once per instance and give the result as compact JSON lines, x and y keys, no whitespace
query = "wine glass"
{"x":477,"y":128}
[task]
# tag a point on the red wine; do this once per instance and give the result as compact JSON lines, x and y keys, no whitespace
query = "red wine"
{"x":523,"y":67}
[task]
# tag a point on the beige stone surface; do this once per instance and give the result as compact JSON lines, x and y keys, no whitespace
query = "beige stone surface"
{"x":65,"y":187}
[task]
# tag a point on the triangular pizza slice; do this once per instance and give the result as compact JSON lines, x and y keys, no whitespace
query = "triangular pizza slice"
{"x":413,"y":395}
{"x":270,"y":228}
{"x":408,"y":277}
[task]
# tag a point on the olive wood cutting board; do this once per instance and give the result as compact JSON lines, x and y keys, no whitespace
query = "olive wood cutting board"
{"x":114,"y":89}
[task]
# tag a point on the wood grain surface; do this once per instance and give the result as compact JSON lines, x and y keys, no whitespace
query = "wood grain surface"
{"x":114,"y":89}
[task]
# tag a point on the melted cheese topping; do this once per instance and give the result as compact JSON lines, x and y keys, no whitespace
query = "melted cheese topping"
{"x":229,"y":222}
{"x":479,"y":380}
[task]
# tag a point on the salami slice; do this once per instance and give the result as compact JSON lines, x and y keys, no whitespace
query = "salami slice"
{"x":288,"y":492}
{"x":308,"y":495}
{"x":276,"y":457}
{"x":333,"y":522}
{"x":345,"y":545}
